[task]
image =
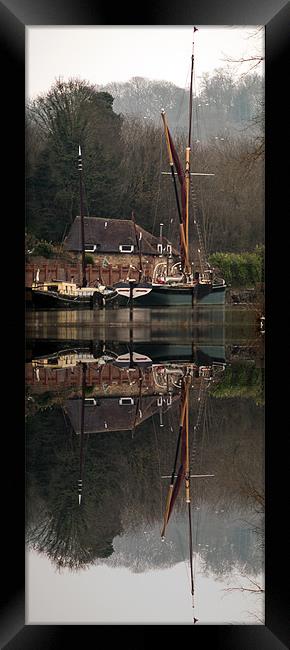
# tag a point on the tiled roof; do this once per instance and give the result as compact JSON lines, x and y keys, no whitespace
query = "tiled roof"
{"x":109,"y":415}
{"x":108,"y":234}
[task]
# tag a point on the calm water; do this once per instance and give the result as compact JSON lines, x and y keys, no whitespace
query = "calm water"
{"x":105,"y":405}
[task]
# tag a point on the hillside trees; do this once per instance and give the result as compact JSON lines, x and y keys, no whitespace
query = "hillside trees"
{"x":144,"y":98}
{"x":233,"y":199}
{"x":70,"y":114}
{"x":229,"y":205}
{"x":222,"y":104}
{"x":124,"y":157}
{"x":226,"y":105}
{"x":142,"y":162}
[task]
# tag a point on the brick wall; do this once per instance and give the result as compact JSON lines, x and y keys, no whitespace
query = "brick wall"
{"x":117,"y":269}
{"x":113,"y":378}
{"x":72,"y":272}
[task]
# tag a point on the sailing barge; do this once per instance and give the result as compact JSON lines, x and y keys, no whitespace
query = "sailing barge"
{"x":182,"y":284}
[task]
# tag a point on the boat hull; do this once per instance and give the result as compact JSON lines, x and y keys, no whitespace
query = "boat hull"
{"x":182,"y":352}
{"x":164,"y":296}
{"x":49,"y":299}
{"x":212,"y":295}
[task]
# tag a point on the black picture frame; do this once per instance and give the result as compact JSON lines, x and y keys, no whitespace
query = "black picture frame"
{"x":15,"y":15}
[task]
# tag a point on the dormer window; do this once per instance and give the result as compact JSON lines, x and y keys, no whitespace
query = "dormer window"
{"x":90,"y":401}
{"x":160,"y":249}
{"x":126,"y":401}
{"x":126,"y":248}
{"x":90,"y":248}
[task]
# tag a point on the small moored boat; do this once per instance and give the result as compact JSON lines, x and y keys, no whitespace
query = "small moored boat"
{"x":61,"y":294}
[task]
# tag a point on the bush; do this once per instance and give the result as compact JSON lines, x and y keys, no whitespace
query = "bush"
{"x":43,"y":249}
{"x":240,"y":269}
{"x":89,"y":259}
{"x":241,"y":380}
{"x":38,"y":247}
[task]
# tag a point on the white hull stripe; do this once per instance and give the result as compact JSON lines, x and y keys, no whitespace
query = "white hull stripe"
{"x":136,"y":292}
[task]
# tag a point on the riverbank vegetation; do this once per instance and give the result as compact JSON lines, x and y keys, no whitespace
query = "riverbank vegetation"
{"x":243,"y":381}
{"x":240,"y":269}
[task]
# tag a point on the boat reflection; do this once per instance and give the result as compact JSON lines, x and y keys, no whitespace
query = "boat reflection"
{"x":113,"y":369}
{"x":118,"y":392}
{"x":110,"y":425}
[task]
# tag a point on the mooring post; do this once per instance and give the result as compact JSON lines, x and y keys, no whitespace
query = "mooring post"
{"x":131,"y":302}
{"x":193,"y":297}
{"x":131,"y":299}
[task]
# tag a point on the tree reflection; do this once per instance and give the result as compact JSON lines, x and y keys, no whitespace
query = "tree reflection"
{"x":68,"y":536}
{"x":122,"y":485}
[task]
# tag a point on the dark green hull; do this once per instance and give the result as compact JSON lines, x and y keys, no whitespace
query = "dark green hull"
{"x":166,"y":296}
{"x":178,"y":352}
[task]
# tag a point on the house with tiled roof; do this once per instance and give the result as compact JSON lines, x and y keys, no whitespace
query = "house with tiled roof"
{"x":105,"y":236}
{"x":105,"y":414}
{"x":112,"y":245}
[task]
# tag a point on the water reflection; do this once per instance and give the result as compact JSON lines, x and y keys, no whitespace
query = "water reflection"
{"x":149,"y":325}
{"x":106,"y":434}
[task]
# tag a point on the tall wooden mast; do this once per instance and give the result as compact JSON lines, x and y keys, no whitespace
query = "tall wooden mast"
{"x":170,"y":150}
{"x":188,"y":150}
{"x":80,"y":480}
{"x":173,"y":475}
{"x":80,"y":168}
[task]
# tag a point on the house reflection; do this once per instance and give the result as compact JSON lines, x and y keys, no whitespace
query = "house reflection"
{"x":82,"y":479}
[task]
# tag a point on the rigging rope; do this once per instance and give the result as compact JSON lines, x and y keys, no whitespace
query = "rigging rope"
{"x":201,"y":400}
{"x":182,"y":99}
{"x":198,"y":138}
{"x":159,"y":465}
{"x":201,"y":252}
{"x":159,"y":183}
{"x":67,"y":424}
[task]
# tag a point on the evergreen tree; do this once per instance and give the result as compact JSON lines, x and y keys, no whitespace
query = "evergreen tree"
{"x":69,"y":115}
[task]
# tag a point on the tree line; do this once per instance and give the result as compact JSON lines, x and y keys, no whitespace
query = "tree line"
{"x":124,"y":156}
{"x":222,"y":105}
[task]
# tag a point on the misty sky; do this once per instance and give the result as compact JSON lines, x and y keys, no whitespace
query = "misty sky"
{"x":102,"y":594}
{"x":104,"y":54}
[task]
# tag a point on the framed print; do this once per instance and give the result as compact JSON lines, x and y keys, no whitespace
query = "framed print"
{"x":97,"y":346}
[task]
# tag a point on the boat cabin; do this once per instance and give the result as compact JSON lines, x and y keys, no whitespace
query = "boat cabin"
{"x":64,"y":288}
{"x":56,"y":285}
{"x":69,"y":360}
